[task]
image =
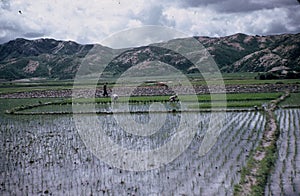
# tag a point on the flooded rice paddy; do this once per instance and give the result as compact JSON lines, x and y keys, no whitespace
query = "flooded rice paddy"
{"x":44,"y":154}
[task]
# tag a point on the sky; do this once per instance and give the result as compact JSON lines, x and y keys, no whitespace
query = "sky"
{"x":91,"y":21}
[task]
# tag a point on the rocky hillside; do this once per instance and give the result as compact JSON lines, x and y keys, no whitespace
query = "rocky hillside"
{"x":44,"y":58}
{"x":246,"y":53}
{"x":48,"y":58}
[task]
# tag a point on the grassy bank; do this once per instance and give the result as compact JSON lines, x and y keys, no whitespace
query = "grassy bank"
{"x":292,"y":101}
{"x":255,"y":175}
{"x":195,"y":79}
{"x":239,"y":100}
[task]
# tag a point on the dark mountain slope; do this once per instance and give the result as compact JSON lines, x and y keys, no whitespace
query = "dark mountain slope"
{"x":49,"y":58}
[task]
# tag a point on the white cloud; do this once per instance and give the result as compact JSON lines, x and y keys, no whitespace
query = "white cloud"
{"x":141,"y":36}
{"x":89,"y":21}
{"x":201,"y":21}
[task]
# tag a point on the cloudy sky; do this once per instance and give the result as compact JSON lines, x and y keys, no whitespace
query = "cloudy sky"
{"x":90,"y":21}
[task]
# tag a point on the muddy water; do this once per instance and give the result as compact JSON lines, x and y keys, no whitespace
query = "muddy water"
{"x":44,"y":154}
{"x":285,"y":179}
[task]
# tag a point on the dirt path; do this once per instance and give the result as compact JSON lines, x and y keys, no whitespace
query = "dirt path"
{"x":285,"y":178}
{"x":263,"y":159}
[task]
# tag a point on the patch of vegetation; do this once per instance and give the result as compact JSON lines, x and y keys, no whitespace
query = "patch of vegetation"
{"x":8,"y":104}
{"x":265,"y":167}
{"x":244,"y":172}
{"x":256,"y":173}
{"x":237,"y":100}
{"x":250,"y":81}
{"x":292,"y":100}
{"x":230,"y":104}
{"x":241,"y":100}
{"x":237,"y":97}
{"x":271,"y":76}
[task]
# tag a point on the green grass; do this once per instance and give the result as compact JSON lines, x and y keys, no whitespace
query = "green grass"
{"x":239,"y":100}
{"x":261,"y":168}
{"x":243,"y":100}
{"x":237,"y":97}
{"x":230,"y":104}
{"x":196,"y":79}
{"x":264,"y":167}
{"x":25,"y":87}
{"x":293,"y":100}
{"x":252,"y":96}
{"x":250,"y":81}
{"x":7,"y":104}
{"x":233,"y":100}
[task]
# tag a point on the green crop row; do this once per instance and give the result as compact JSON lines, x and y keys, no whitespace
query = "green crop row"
{"x":292,"y":100}
{"x":233,"y":100}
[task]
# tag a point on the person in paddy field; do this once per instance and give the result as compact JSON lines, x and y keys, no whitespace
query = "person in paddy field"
{"x":105,"y":94}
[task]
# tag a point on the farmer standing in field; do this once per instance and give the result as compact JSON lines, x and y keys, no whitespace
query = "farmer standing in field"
{"x":105,"y":94}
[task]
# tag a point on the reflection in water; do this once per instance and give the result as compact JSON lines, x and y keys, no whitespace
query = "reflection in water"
{"x":131,"y":141}
{"x":45,"y":154}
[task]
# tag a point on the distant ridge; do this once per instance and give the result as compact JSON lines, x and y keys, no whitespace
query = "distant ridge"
{"x":49,"y":58}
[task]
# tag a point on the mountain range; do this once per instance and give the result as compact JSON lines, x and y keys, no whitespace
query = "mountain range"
{"x":49,"y":58}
